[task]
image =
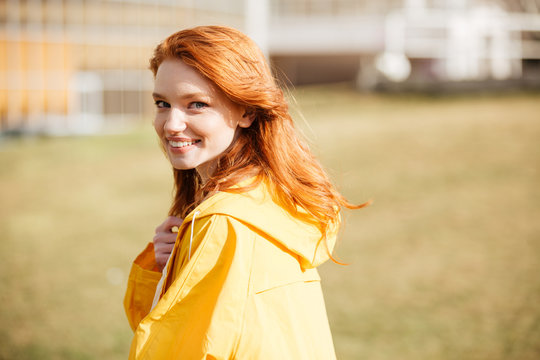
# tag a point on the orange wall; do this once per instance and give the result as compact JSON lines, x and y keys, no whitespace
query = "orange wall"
{"x":34,"y":77}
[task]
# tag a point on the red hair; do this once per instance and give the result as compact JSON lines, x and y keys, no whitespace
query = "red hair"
{"x":270,"y":148}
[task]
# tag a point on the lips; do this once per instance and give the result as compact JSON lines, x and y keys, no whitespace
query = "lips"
{"x":181,"y":144}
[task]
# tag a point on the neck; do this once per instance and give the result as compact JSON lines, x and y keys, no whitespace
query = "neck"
{"x":205,"y":171}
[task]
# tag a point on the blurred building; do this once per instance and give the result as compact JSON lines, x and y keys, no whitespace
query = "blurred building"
{"x":80,"y":66}
{"x":409,"y":42}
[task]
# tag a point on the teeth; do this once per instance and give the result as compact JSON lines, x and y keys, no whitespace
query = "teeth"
{"x":182,"y":143}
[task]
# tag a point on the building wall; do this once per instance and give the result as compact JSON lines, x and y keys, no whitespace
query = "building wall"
{"x":416,"y":41}
{"x":79,"y":66}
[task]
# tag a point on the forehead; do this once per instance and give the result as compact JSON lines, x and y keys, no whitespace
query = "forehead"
{"x":173,"y":75}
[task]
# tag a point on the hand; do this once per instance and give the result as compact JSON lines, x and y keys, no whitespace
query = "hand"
{"x":164,"y":240}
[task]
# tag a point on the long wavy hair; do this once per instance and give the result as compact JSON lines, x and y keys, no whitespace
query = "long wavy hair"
{"x":270,"y":149}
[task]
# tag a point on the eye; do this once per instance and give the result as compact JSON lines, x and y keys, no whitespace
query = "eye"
{"x":160,"y":104}
{"x":197,"y":105}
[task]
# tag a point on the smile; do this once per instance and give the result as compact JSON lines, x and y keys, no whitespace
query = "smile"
{"x":181,"y":144}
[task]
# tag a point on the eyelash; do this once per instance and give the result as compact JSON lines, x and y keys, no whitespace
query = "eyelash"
{"x":195,"y":103}
{"x":160,"y":104}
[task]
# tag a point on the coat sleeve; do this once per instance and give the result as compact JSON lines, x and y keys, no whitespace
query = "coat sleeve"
{"x":142,"y":282}
{"x":201,"y":314}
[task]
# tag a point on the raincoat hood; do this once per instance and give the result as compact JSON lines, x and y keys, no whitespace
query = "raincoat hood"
{"x":262,"y":211}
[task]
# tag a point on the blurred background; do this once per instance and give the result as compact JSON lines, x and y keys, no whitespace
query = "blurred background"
{"x":429,"y":107}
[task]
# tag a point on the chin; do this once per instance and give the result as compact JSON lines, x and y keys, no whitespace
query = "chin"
{"x":182,"y":167}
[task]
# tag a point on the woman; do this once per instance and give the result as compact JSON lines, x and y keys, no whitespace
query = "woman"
{"x":255,"y":213}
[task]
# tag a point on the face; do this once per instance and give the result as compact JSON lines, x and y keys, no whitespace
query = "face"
{"x":195,"y":121}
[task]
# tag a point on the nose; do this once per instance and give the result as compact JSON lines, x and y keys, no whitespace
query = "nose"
{"x":176,"y":122}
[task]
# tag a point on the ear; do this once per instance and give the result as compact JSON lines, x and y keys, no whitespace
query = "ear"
{"x":247,"y":119}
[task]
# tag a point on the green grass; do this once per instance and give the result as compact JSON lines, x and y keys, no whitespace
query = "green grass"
{"x":444,"y":265}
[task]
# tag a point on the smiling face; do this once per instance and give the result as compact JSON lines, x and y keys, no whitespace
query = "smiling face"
{"x":195,"y":121}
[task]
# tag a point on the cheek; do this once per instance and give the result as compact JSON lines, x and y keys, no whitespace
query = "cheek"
{"x":225,"y":134}
{"x":158,"y":125}
{"x":214,"y":129}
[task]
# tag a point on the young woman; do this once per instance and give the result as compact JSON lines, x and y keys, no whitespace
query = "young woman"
{"x":255,"y":214}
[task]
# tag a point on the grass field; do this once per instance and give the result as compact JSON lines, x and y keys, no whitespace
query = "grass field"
{"x":444,"y":265}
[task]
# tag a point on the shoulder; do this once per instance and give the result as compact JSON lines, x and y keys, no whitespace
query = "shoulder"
{"x":238,"y":204}
{"x":211,"y":231}
{"x":209,"y":241}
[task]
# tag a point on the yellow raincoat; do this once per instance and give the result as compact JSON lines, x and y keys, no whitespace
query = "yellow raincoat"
{"x":248,"y":290}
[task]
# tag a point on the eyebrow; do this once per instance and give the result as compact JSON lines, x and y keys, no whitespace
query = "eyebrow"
{"x":185,"y":96}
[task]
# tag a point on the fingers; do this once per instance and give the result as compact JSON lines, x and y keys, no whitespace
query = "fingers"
{"x":164,"y":239}
{"x":162,"y":251}
{"x":161,"y":258}
{"x":163,"y":247}
{"x":169,"y":223}
{"x":161,"y":261}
